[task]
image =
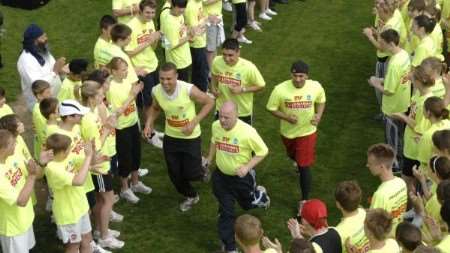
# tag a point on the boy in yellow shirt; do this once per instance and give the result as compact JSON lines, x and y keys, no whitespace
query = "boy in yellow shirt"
{"x":70,"y":88}
{"x":176,"y":38}
{"x":249,"y":233}
{"x":299,"y":104}
{"x":102,"y":55}
{"x":66,"y":179}
{"x":391,"y":195}
{"x":5,"y":109}
{"x":16,"y":187}
{"x":41,"y":90}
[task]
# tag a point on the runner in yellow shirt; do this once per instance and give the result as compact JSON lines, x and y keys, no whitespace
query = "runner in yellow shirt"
{"x":144,"y":39}
{"x":16,"y":187}
{"x":196,"y":20}
{"x":396,"y":90}
{"x":391,"y":194}
{"x":121,"y":96}
{"x":125,"y":10}
{"x":176,"y":38}
{"x":66,"y":178}
{"x":378,"y":226}
{"x":237,"y":149}
{"x":422,"y":27}
{"x":70,"y":88}
{"x":299,"y":103}
{"x":5,"y":109}
{"x":235,"y":79}
{"x":41,"y":90}
{"x":182,"y":143}
{"x":351,"y":227}
{"x":101,"y":49}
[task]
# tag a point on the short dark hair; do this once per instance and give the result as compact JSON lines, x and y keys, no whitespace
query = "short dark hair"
{"x":440,"y":165}
{"x":301,"y":245}
{"x":383,"y":153}
{"x":390,"y":36}
{"x":98,"y":76}
{"x":120,"y":32}
{"x":147,"y":3}
{"x":179,"y":3}
{"x":426,"y":22}
{"x":48,"y":106}
{"x":441,"y":139}
{"x":58,"y":143}
{"x":408,"y":235}
{"x":445,"y":211}
{"x":78,"y":66}
{"x":300,"y":67}
{"x":168,"y":66}
{"x":2,"y":92}
{"x":348,"y":195}
{"x":10,"y":122}
{"x":107,"y":21}
{"x":443,"y":191}
{"x":39,"y":86}
{"x":231,"y":44}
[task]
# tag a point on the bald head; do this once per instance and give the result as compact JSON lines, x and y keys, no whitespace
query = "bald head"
{"x":228,"y":115}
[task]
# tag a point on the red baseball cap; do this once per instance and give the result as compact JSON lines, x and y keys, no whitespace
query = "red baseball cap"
{"x":315,"y":212}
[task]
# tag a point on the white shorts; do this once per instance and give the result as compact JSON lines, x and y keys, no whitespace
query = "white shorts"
{"x":71,"y":233}
{"x":215,"y":36}
{"x":19,"y":243}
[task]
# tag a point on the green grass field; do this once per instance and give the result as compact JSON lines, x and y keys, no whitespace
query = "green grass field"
{"x":326,"y":34}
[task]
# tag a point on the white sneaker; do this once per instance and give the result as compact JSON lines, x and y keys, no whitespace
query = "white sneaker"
{"x":255,"y":26}
{"x":98,"y":249}
{"x":156,"y":141}
{"x":188,"y":203}
{"x":227,"y":6}
{"x":142,"y":172}
{"x":129,"y":196}
{"x":243,"y":39}
{"x":264,"y":16}
{"x":111,"y":243}
{"x":115,"y":217}
{"x":260,"y":202}
{"x":159,"y":134}
{"x":141,"y":188}
{"x":111,"y":232}
{"x":271,"y":12}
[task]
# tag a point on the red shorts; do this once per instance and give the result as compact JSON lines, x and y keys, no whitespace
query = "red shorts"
{"x":301,"y":149}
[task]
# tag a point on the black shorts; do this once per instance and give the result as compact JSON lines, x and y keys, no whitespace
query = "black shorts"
{"x":408,"y":164}
{"x":91,"y":198}
{"x":128,"y":146}
{"x":102,"y":183}
{"x":183,"y":157}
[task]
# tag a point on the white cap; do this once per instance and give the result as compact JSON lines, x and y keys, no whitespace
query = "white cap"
{"x":72,"y":107}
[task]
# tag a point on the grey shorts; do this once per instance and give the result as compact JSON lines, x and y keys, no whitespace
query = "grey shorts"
{"x":20,"y":243}
{"x":71,"y":233}
{"x":215,"y":36}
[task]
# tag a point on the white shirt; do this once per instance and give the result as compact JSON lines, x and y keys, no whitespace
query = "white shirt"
{"x":30,"y":70}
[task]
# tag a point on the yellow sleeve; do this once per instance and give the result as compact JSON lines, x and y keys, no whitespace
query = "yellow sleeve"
{"x":377,"y":201}
{"x":257,"y":144}
{"x":321,"y":98}
{"x":59,"y":177}
{"x":274,"y":101}
{"x":89,"y":129}
{"x":255,"y":77}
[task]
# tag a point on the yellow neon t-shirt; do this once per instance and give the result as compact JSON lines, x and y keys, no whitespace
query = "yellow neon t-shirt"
{"x":77,"y":149}
{"x":244,"y":73}
{"x":109,"y":148}
{"x":425,"y":150}
{"x":444,"y":245}
{"x":68,"y":89}
{"x":14,"y":220}
{"x":102,"y":53}
{"x":5,"y":110}
{"x":410,"y":148}
{"x":69,"y":202}
{"x":432,"y":208}
{"x":141,"y":31}
{"x":117,"y":95}
{"x":91,"y":126}
{"x":425,"y":49}
{"x":396,"y":23}
{"x":179,"y":109}
{"x":438,"y":38}
{"x":390,"y":246}
{"x":122,"y":4}
{"x":116,"y":51}
{"x":214,"y":9}
{"x":174,"y":29}
{"x":353,"y":228}
{"x":234,"y":147}
{"x":438,"y":89}
{"x":238,"y":1}
{"x":392,"y":197}
{"x":22,"y":149}
{"x":39,"y":125}
{"x":398,"y":67}
{"x":194,"y":15}
{"x":300,"y":102}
